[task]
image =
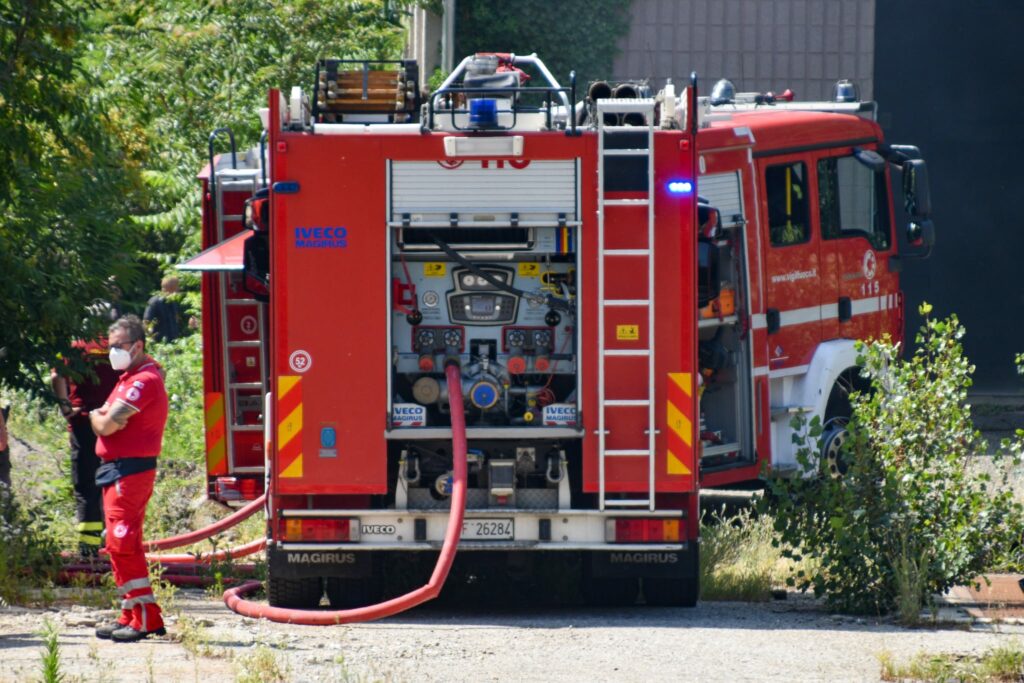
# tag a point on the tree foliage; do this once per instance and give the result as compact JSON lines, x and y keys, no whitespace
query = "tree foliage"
{"x":909,"y":518}
{"x":66,"y":186}
{"x":580,"y":35}
{"x":105,"y":109}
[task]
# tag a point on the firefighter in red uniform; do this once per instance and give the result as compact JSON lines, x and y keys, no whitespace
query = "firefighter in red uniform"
{"x":130,"y":427}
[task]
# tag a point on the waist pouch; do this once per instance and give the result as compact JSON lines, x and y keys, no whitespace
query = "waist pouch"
{"x":110,"y":472}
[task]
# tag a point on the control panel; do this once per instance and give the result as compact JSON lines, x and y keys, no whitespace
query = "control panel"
{"x":509,"y":323}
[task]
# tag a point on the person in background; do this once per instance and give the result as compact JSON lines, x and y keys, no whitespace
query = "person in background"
{"x":130,"y":430}
{"x":163,"y":313}
{"x":76,"y":400}
{"x":5,"y":449}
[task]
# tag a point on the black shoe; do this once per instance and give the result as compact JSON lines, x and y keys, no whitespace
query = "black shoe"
{"x":127,"y":634}
{"x":107,"y":630}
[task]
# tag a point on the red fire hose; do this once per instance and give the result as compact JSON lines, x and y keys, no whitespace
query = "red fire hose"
{"x":204,"y":533}
{"x":233,"y":596}
{"x":249,"y":548}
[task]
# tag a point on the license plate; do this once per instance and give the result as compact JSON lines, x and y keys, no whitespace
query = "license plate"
{"x":487,"y":530}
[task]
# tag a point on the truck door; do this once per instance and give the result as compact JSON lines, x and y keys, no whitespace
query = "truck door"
{"x":856,"y":234}
{"x":792,"y":263}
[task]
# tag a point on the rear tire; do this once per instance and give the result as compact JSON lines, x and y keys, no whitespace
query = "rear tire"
{"x":294,"y":593}
{"x":672,"y":592}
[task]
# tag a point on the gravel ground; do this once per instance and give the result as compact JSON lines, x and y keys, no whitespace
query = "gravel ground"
{"x":791,"y":640}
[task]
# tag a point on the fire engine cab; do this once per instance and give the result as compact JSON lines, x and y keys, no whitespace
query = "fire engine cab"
{"x":640,"y":289}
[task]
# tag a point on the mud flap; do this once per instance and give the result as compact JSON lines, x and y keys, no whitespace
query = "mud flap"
{"x":655,"y":564}
{"x":298,"y":564}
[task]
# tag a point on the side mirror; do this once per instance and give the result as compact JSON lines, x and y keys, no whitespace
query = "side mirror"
{"x":917,"y":198}
{"x":921,"y":234}
{"x":256,"y":266}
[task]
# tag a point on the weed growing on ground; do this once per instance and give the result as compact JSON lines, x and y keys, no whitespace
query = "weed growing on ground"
{"x":739,"y":559}
{"x":50,"y":657}
{"x":261,"y":666}
{"x":998,"y":664}
{"x":194,"y":638}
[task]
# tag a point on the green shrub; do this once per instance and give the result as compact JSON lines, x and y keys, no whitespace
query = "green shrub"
{"x":908,"y":519}
{"x":29,"y":554}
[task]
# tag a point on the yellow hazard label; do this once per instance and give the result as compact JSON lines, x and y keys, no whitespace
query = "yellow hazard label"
{"x":434,"y":269}
{"x":529,"y":270}
{"x":627,"y":332}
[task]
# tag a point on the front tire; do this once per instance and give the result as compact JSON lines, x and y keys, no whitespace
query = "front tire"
{"x":834,"y":462}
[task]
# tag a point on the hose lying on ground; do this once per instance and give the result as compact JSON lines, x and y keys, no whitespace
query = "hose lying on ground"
{"x":233,"y":596}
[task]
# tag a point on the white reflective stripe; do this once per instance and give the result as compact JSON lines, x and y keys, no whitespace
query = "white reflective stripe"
{"x":811,"y":314}
{"x":786,"y":372}
{"x":134,"y":584}
{"x":148,"y":598}
{"x":870,"y":305}
{"x":760,"y":371}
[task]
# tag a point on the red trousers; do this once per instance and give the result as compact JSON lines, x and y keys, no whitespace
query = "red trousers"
{"x":124,"y":507}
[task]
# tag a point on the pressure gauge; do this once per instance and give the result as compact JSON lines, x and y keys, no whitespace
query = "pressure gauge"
{"x":430,"y":298}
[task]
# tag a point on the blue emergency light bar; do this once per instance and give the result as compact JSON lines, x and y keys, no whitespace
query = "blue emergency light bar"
{"x":680,"y":186}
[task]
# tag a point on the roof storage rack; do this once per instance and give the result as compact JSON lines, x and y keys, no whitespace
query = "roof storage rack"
{"x":366,"y":91}
{"x":486,"y":93}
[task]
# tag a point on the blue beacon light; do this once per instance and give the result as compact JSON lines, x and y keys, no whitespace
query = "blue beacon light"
{"x":680,"y":187}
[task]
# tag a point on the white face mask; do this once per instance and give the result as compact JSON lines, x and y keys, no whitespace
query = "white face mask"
{"x":119,"y":358}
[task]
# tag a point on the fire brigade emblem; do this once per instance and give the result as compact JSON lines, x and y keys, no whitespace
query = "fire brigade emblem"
{"x":450,"y":164}
{"x":133,"y":394}
{"x":248,"y":324}
{"x":121,"y":530}
{"x":300,"y":361}
{"x":869,"y":265}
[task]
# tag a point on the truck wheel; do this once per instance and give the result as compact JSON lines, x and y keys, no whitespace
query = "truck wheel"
{"x":837,"y":413}
{"x":671,"y":592}
{"x":832,"y":459}
{"x":346,"y":593}
{"x":294,"y":593}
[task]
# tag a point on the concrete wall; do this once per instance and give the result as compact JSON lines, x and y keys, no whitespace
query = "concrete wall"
{"x":948,"y":80}
{"x":759,"y":45}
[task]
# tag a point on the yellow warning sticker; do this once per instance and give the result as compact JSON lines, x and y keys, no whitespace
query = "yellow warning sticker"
{"x":529,"y":270}
{"x":434,"y":269}
{"x":627,"y":332}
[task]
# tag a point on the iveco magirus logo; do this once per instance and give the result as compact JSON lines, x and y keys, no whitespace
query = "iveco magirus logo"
{"x":644,"y":558}
{"x":321,"y":558}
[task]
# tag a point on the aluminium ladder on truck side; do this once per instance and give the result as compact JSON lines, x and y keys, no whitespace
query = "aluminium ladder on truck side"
{"x":607,"y":257}
{"x":248,"y":181}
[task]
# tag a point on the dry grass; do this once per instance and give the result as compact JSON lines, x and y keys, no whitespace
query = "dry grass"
{"x":738,"y":558}
{"x":1003,"y":663}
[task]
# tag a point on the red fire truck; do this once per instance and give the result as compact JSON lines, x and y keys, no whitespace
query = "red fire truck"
{"x":640,"y":290}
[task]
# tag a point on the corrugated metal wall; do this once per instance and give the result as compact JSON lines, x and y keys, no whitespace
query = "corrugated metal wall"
{"x":759,"y":45}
